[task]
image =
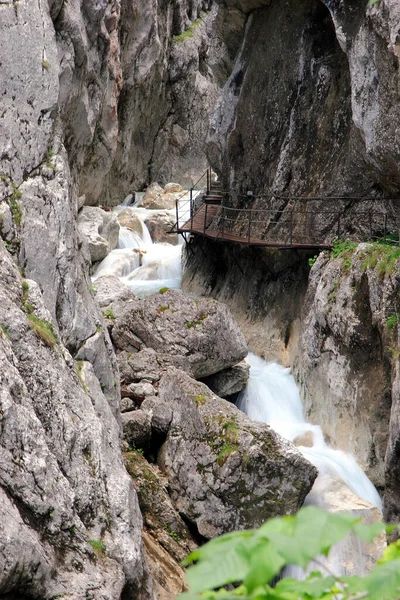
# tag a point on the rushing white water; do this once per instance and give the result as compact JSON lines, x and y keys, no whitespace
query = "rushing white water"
{"x":272,"y":397}
{"x":144,"y":266}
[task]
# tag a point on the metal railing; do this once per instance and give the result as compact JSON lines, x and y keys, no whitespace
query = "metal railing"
{"x":291,"y":221}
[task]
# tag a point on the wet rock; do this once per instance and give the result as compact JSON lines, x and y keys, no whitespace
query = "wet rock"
{"x":127,"y":218}
{"x":229,"y":381}
{"x":160,"y":201}
{"x":226,"y":472}
{"x":170,"y":188}
{"x":351,"y":556}
{"x":100,"y":229}
{"x":199,"y":336}
{"x":160,"y":226}
{"x":137,"y":428}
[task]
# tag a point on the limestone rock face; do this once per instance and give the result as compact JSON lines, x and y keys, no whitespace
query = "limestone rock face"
{"x":311,"y":114}
{"x":346,"y":352}
{"x":62,"y":480}
{"x":100,"y":230}
{"x":226,"y":472}
{"x":199,"y":336}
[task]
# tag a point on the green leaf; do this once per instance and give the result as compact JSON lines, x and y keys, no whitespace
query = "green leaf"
{"x":218,"y":570}
{"x":310,"y":533}
{"x":383,"y":583}
{"x":312,"y":587}
{"x":372,"y":2}
{"x":392,"y":552}
{"x":367,"y":533}
{"x":265,"y":564}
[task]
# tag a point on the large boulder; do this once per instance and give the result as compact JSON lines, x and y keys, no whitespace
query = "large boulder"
{"x":229,"y":381}
{"x":100,"y":229}
{"x":127,"y":218}
{"x":160,"y":225}
{"x":198,"y":335}
{"x":225,"y":471}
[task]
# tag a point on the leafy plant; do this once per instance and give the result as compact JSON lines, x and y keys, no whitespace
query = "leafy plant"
{"x":372,"y":2}
{"x":109,"y":314}
{"x":43,"y":329}
{"x":188,"y":33}
{"x":312,"y":260}
{"x":392,"y":321}
{"x":98,"y":546}
{"x":163,"y":290}
{"x":252,"y":559}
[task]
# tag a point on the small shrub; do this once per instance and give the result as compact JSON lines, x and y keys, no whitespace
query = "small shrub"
{"x":43,"y":329}
{"x":225,"y":452}
{"x":109,"y":314}
{"x":392,"y":321}
{"x":312,"y":260}
{"x":5,"y":331}
{"x":98,"y":546}
{"x":163,"y":290}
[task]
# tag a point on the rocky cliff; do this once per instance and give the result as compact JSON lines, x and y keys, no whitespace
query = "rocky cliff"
{"x":312,"y":104}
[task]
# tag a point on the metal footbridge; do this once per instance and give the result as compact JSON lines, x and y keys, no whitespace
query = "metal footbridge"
{"x":285,"y":221}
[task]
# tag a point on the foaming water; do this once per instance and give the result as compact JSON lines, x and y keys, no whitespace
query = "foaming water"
{"x":142,"y":265}
{"x":272,"y":397}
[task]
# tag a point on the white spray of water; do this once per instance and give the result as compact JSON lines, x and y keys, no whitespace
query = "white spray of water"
{"x":272,"y":397}
{"x":144,"y":266}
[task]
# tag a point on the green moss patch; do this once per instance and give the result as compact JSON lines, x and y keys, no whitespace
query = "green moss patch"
{"x":43,"y":329}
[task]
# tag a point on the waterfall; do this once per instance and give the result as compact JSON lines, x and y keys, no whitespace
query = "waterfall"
{"x":144,"y":266}
{"x":272,"y":397}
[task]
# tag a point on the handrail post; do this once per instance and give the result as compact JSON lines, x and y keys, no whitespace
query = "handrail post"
{"x":191,"y":203}
{"x":205,"y":219}
{"x":177,"y":214}
{"x":249,"y":228}
{"x":208,"y":180}
{"x":223,"y":223}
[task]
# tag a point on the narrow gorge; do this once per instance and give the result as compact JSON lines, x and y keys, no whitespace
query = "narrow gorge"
{"x":146,"y":401}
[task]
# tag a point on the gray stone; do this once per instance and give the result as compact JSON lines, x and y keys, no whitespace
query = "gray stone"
{"x":127,"y":218}
{"x":110,"y":289}
{"x":137,"y":428}
{"x":226,"y":472}
{"x":140,"y":390}
{"x":62,"y":480}
{"x":229,"y":381}
{"x":7,"y":231}
{"x":199,"y":336}
{"x":345,"y":376}
{"x":100,"y":229}
{"x":160,"y":412}
{"x":172,"y":187}
{"x":160,"y":226}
